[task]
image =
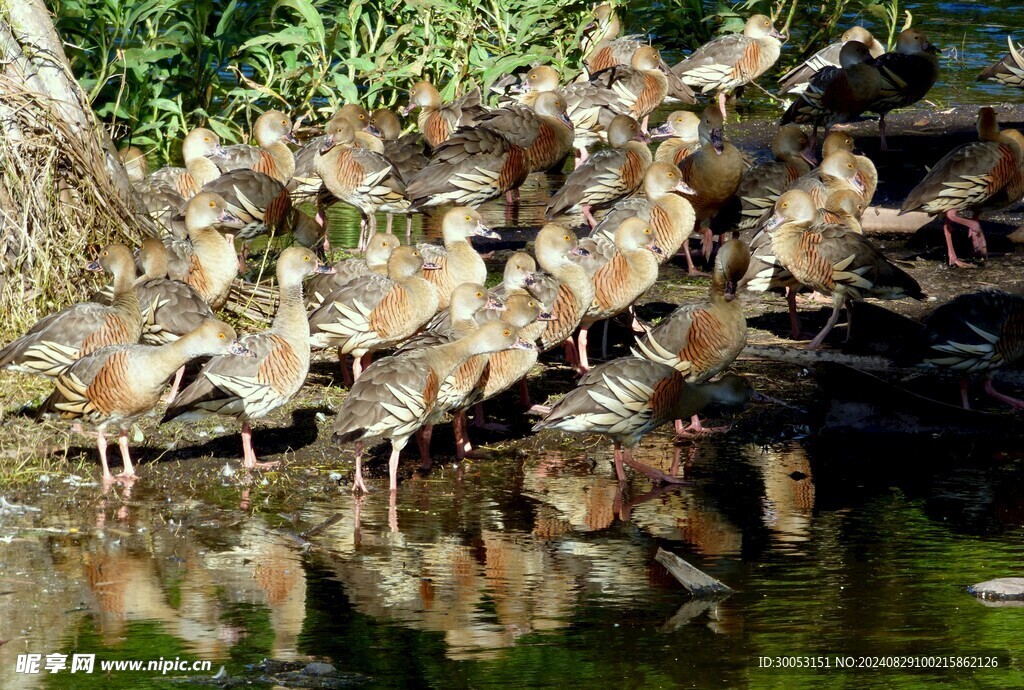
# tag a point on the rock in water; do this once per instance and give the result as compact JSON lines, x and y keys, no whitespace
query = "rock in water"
{"x":1000,"y":589}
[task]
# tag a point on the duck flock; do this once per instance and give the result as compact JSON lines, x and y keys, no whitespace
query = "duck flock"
{"x":789,"y":224}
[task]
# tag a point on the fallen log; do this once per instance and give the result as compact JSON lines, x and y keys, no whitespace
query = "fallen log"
{"x":698,"y":583}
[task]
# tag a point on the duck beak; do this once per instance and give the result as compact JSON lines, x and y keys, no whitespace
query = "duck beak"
{"x":236,"y":348}
{"x":775,"y":33}
{"x":482,"y":230}
{"x":858,"y":182}
{"x":775,"y":221}
{"x":219,"y":150}
{"x":372,"y":129}
{"x":520,"y":344}
{"x":495,"y":304}
{"x":662,"y":131}
{"x":326,"y":269}
{"x":808,"y":155}
{"x":327,"y":145}
{"x":642,"y":137}
{"x":545,"y":316}
{"x":291,"y":138}
{"x":564,"y":119}
{"x":730,"y":290}
{"x":519,"y":87}
{"x":578,"y":251}
{"x":684,"y":188}
{"x":658,"y":251}
{"x":408,"y":109}
{"x":590,"y":27}
{"x":430,"y":266}
{"x":228,"y":218}
{"x":94,"y":267}
{"x":930,"y":48}
{"x":717,"y":140}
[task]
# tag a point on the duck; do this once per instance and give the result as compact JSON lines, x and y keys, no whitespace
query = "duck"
{"x":406,"y":152}
{"x":456,"y":261}
{"x":396,"y":394}
{"x":604,"y":49}
{"x":626,"y":398}
{"x":518,"y":268}
{"x":374,"y":260}
{"x":438,"y":121}
{"x":544,"y":131}
{"x":374,"y":312}
{"x":842,"y":141}
{"x":271,"y":157}
{"x":839,"y":170}
{"x":838,"y":94}
{"x":974,"y":333}
{"x":729,"y":62}
{"x":471,"y":167}
{"x":762,"y":184}
{"x":588,"y":106}
{"x":702,"y":340}
{"x":555,"y":249}
{"x":1009,"y":71}
{"x":522,"y":312}
{"x":305,"y":183}
{"x":795,"y":81}
{"x":832,"y":259}
{"x":207,"y":262}
{"x":713,"y":172}
{"x":57,"y":340}
{"x":606,"y":176}
{"x":641,"y":87}
{"x":621,"y":273}
{"x":251,"y":388}
{"x":114,"y":385}
{"x":199,"y":149}
{"x":845,"y":207}
{"x":683,"y":131}
{"x":359,"y":177}
{"x":908,"y":74}
{"x":262,"y":205}
{"x":966,"y":179}
{"x":670,"y":216}
{"x":460,"y":320}
{"x":169,"y":308}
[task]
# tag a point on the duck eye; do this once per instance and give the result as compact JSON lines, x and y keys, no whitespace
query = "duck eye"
{"x":106,"y":253}
{"x":785,"y":204}
{"x":213,"y":205}
{"x":506,"y":333}
{"x":479,"y":294}
{"x":469,"y":218}
{"x":221,"y":335}
{"x":565,"y":237}
{"x":383,"y":244}
{"x":284,"y":123}
{"x":206,"y":138}
{"x":306,"y":259}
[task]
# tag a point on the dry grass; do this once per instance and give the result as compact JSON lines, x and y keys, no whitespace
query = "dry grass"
{"x":57,"y":201}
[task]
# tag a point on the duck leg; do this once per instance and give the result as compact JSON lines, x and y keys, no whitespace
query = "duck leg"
{"x":173,"y":393}
{"x":947,"y":229}
{"x":707,"y":242}
{"x":794,"y":318}
{"x":101,"y":447}
{"x":974,"y":231}
{"x":581,"y":155}
{"x":463,"y":446}
{"x":691,"y":269}
{"x":127,"y":470}
{"x":1015,"y":403}
{"x":408,"y":229}
{"x":357,"y":481}
{"x":524,"y":394}
{"x":249,"y":454}
{"x":721,"y":104}
{"x":390,"y":221}
{"x":589,"y":216}
{"x":881,"y":133}
{"x":479,"y":419}
{"x":820,"y":338}
{"x":963,"y":394}
{"x":396,"y":450}
{"x":655,"y":474}
{"x":423,"y":441}
{"x":619,"y":471}
{"x":581,"y":349}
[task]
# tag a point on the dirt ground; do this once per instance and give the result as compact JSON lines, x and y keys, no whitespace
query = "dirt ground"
{"x":300,"y":434}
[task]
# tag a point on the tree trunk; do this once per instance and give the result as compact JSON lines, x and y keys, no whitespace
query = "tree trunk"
{"x":62,"y":186}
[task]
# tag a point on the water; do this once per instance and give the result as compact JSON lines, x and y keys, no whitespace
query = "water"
{"x":535,"y":568}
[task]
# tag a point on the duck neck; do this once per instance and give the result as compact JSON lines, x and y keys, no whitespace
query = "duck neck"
{"x":126,"y":300}
{"x":202,"y":170}
{"x":284,"y":160}
{"x":291,"y":322}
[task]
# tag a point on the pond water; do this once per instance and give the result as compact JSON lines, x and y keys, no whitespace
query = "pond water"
{"x":533,"y":567}
{"x":536,"y":569}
